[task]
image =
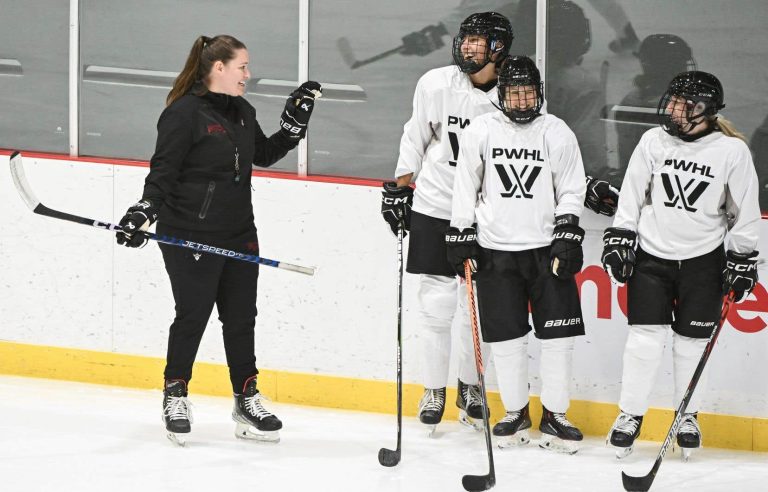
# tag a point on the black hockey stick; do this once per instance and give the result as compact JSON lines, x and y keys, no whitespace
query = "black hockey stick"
{"x":387,"y":457}
{"x":643,"y":484}
{"x":345,"y":48}
{"x":479,"y":482}
{"x":29,"y":198}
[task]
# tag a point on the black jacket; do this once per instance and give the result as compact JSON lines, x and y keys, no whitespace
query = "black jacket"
{"x":193,"y":170}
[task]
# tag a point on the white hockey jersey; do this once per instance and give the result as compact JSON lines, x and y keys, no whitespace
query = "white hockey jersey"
{"x":681,"y":197}
{"x":444,"y":103}
{"x":526,"y":174}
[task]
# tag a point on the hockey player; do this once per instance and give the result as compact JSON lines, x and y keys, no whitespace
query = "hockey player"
{"x":445,"y":101}
{"x":198,"y":188}
{"x":687,"y":184}
{"x":523,"y":171}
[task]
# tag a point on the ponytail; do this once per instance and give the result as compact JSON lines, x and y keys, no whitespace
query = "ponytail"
{"x":728,"y":129}
{"x":204,"y":53}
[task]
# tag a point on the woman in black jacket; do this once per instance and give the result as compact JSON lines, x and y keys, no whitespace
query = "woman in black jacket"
{"x":199,"y":189}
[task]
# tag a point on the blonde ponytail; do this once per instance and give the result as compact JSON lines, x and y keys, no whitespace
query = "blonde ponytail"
{"x":728,"y":129}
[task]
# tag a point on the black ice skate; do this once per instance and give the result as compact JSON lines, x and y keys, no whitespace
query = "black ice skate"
{"x":252,"y":420}
{"x":512,"y":429}
{"x":177,"y":410}
{"x":689,"y":435}
{"x":558,"y":434}
{"x":470,"y":405}
{"x":622,"y":436}
{"x":431,"y":408}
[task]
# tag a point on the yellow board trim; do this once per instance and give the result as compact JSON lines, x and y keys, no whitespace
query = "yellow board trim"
{"x":593,"y":418}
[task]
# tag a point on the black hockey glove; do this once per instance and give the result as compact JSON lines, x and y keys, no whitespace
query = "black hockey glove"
{"x":135,"y":222}
{"x":602,"y":198}
{"x":396,"y":204}
{"x":566,"y":256}
{"x":462,"y":245}
{"x":298,"y":109}
{"x":619,"y":253}
{"x":740,"y":274}
{"x":425,"y":41}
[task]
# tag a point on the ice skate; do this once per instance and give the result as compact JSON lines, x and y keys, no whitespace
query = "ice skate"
{"x":688,"y":435}
{"x":512,"y":429}
{"x":558,"y":434}
{"x":177,"y":411}
{"x":470,"y":405}
{"x":253,"y":421}
{"x":431,"y":408}
{"x":622,"y":435}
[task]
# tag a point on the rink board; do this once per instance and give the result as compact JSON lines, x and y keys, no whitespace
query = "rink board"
{"x":75,"y":306}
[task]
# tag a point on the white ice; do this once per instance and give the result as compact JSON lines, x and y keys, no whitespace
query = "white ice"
{"x":67,"y":436}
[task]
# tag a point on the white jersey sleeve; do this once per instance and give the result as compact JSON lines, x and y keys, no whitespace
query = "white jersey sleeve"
{"x":634,"y":188}
{"x":567,"y":171}
{"x":418,"y":130}
{"x":470,"y":171}
{"x":742,"y":201}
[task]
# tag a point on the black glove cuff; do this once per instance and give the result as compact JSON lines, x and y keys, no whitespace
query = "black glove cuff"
{"x":615,"y":236}
{"x":733,"y":255}
{"x":392,"y":189}
{"x":571,"y":233}
{"x":464,"y":236}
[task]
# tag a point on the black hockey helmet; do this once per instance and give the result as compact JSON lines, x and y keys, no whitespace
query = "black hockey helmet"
{"x":520,"y":71}
{"x":661,"y":57}
{"x":497,"y":31}
{"x":569,"y":35}
{"x":703,"y":96}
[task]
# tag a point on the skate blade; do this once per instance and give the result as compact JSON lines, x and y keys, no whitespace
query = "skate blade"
{"x":558,"y":445}
{"x":685,"y":454}
{"x":622,"y":453}
{"x":176,"y":439}
{"x":467,"y":421}
{"x":250,"y":433}
{"x":519,"y":438}
{"x":432,"y":431}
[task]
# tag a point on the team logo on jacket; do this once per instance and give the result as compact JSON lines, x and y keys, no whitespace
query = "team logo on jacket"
{"x":453,"y":137}
{"x":523,"y":180}
{"x":682,"y":196}
{"x":215,"y":128}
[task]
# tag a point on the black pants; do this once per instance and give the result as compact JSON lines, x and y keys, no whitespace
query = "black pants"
{"x":199,"y":281}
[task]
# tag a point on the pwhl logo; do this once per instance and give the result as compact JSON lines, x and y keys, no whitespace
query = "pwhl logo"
{"x":523,"y":180}
{"x":680,"y":196}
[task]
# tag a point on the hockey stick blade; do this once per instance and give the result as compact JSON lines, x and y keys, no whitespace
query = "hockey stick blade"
{"x":478,"y":482}
{"x":387,"y":457}
{"x":345,"y":49}
{"x":29,"y":198}
{"x":637,"y":484}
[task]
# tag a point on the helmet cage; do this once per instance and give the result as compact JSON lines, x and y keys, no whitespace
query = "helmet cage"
{"x":518,"y":72}
{"x":687,"y":102}
{"x":497,"y":33}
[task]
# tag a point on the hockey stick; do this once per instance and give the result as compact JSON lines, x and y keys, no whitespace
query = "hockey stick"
{"x":479,"y":482}
{"x":643,"y":484}
{"x":387,"y":457}
{"x":22,"y":186}
{"x":345,"y":48}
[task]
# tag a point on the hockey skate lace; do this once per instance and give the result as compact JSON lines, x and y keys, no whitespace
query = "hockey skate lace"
{"x":560,"y":418}
{"x":254,"y":407}
{"x":510,"y":417}
{"x":626,"y":424}
{"x":435,"y":400}
{"x":178,"y":408}
{"x":689,"y":425}
{"x":472,"y":396}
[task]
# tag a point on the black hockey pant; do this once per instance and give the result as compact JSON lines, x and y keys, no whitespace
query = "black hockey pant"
{"x":199,"y":281}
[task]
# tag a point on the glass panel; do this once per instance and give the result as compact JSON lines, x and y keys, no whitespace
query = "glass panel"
{"x":356,"y":127}
{"x":34,"y":80}
{"x":131,"y":53}
{"x":606,"y":84}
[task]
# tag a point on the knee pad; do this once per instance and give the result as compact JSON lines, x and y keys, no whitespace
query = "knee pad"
{"x":646,"y":342}
{"x":437,"y":299}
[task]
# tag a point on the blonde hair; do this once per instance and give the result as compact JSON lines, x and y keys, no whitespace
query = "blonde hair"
{"x":728,"y":129}
{"x":204,"y":53}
